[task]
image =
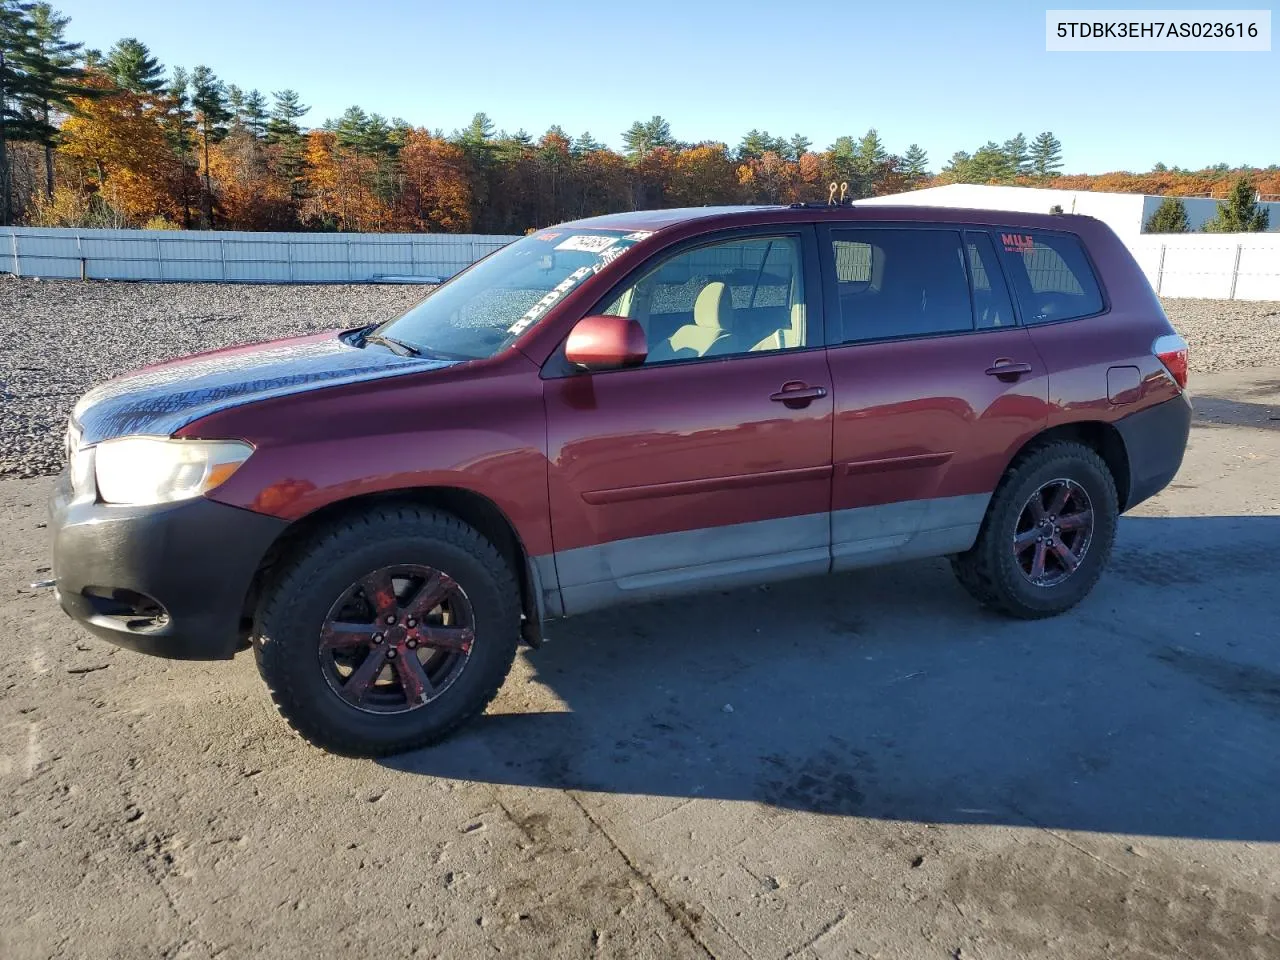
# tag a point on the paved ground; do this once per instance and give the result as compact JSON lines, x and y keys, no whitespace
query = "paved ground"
{"x":866,"y":766}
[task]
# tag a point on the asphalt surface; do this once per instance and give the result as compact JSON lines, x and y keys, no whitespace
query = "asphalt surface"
{"x":861,"y":766}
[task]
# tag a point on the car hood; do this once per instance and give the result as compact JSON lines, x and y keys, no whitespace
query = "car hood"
{"x":162,"y":399}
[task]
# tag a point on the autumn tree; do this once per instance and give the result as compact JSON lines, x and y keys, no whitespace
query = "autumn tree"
{"x":770,"y":178}
{"x":117,"y":140}
{"x":703,"y":175}
{"x":437,"y":192}
{"x":1169,"y":217}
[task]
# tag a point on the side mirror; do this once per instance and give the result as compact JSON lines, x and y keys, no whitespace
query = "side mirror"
{"x":605,"y":342}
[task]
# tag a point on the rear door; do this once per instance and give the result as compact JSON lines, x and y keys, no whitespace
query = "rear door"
{"x":936,"y":383}
{"x":710,"y":465}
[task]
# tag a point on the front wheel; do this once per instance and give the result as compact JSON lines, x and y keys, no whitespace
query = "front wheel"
{"x":387,"y":631}
{"x":1047,"y":534}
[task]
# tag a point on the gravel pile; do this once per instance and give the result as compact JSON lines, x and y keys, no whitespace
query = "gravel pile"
{"x":59,"y":338}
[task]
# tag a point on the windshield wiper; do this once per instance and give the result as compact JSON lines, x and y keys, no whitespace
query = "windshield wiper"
{"x":398,"y":347}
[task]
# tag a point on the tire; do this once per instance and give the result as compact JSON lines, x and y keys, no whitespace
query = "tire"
{"x":307,"y":596}
{"x":997,"y":577}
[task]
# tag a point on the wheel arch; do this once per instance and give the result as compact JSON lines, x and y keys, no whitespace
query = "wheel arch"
{"x":1101,"y":437}
{"x":472,"y":508}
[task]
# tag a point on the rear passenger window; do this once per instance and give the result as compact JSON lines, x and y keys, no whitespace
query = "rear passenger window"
{"x":1051,"y":275}
{"x":991,"y":304}
{"x":900,"y":283}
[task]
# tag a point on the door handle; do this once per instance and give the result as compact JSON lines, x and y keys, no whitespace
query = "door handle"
{"x":1008,"y":370}
{"x":798,"y":394}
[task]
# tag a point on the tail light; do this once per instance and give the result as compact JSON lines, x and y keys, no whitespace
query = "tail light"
{"x":1171,"y":350}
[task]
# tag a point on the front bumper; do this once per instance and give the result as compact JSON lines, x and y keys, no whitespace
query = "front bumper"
{"x":170,"y":580}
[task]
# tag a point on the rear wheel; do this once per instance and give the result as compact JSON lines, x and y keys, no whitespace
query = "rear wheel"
{"x":388,"y":631}
{"x":1047,"y":534}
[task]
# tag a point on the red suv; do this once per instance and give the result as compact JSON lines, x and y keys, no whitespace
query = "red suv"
{"x":619,"y":409}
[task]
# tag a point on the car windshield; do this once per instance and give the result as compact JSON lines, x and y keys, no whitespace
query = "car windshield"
{"x":484,"y":309}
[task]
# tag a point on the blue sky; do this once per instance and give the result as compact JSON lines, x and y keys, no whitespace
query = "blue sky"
{"x":948,"y":76}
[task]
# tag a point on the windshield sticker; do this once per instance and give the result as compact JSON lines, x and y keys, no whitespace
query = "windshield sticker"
{"x":548,"y":237}
{"x":535,"y":312}
{"x":608,"y":256}
{"x":587,"y":243}
{"x":1016,"y":243}
{"x":639,"y":235}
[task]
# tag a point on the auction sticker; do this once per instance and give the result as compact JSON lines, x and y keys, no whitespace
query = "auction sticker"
{"x":587,"y":243}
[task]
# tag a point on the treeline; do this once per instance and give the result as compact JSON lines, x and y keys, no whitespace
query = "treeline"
{"x":115,"y":139}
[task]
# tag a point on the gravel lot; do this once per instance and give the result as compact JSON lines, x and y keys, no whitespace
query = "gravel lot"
{"x":59,"y":338}
{"x":860,"y":766}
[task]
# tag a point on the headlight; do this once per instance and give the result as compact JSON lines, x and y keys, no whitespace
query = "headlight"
{"x":143,"y":470}
{"x":82,"y":472}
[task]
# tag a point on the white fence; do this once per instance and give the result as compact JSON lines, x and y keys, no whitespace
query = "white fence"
{"x":233,"y":256}
{"x":1220,"y":266}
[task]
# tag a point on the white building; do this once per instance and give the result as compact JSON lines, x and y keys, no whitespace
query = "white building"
{"x":1125,"y":213}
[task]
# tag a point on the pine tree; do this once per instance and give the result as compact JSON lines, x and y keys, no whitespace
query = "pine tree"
{"x":1240,"y":212}
{"x":843,"y":153}
{"x":255,"y":114}
{"x":1169,"y":217}
{"x":235,"y":106}
{"x":284,"y":132}
{"x":753,"y":144}
{"x":992,"y":162}
{"x":478,"y":132}
{"x":798,"y":146}
{"x":1046,"y":155}
{"x":130,"y":64}
{"x":586,"y":144}
{"x":643,"y":137}
{"x":351,"y":129}
{"x":180,"y":124}
{"x":867,"y":158}
{"x":208,"y":97}
{"x":285,"y":114}
{"x":17,"y":45}
{"x":915,"y":162}
{"x":1019,"y":156}
{"x":54,"y":77}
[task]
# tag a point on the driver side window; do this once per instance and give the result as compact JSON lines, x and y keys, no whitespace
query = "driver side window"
{"x":735,"y":297}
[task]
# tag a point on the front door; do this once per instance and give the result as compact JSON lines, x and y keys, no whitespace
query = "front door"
{"x":936,"y":385}
{"x":710,"y":465}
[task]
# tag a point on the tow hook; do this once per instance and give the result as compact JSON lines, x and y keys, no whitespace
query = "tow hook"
{"x":44,"y":584}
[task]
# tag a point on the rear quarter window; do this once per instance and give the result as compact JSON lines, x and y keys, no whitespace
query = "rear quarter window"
{"x":1051,"y":276}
